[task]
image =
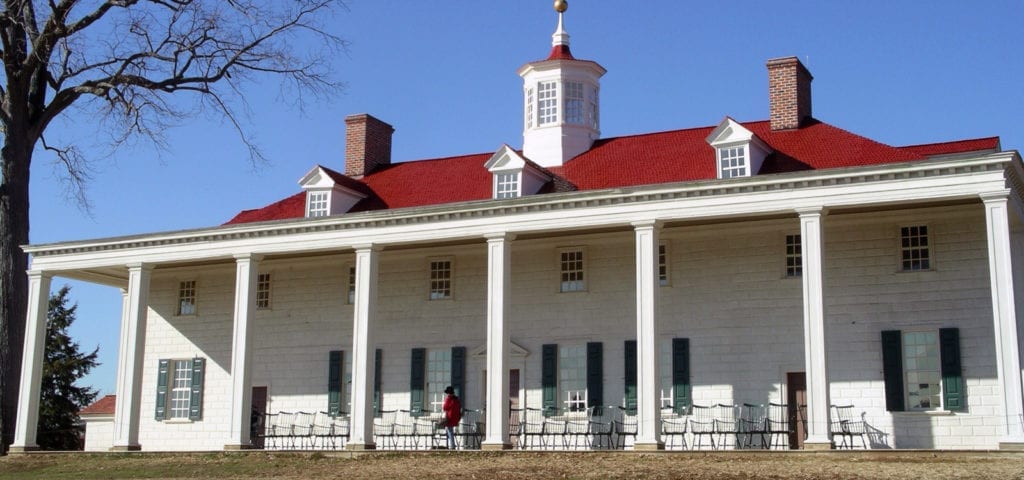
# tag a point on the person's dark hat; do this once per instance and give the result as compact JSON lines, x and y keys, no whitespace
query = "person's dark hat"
{"x":449,"y":390}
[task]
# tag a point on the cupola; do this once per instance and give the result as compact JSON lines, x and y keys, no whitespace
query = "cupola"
{"x":561,"y":102}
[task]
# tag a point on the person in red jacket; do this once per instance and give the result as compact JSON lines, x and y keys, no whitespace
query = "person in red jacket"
{"x":452,"y":414}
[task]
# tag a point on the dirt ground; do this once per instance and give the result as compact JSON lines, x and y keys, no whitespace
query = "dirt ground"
{"x":521,"y":465}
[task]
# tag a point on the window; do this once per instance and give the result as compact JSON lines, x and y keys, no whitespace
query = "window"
{"x":663,"y":264}
{"x":593,"y":119}
{"x":439,"y":376}
{"x":187,"y":297}
{"x":179,"y":389}
{"x":263,"y":291}
{"x":921,"y":367}
{"x":351,"y":298}
{"x":794,"y":261}
{"x":506,"y":185}
{"x":922,"y":370}
{"x":914,"y":248}
{"x":529,"y":108}
{"x":572,"y":377}
{"x":317,"y":204}
{"x":547,"y":103}
{"x":573,"y":103}
{"x":440,"y":279}
{"x":732,"y":162}
{"x":571,"y":268}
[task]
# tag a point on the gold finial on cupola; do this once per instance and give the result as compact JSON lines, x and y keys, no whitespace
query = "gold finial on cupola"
{"x":561,"y":6}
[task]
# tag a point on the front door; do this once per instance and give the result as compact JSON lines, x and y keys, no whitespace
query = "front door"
{"x":259,"y":410}
{"x":796,"y":401}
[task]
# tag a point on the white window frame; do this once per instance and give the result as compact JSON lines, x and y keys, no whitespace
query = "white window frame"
{"x":438,"y":376}
{"x":188,"y":293}
{"x":529,"y":108}
{"x":574,"y":101}
{"x":910,"y":374}
{"x":441,"y":278}
{"x":350,"y":294}
{"x":263,"y":291}
{"x":508,"y":184}
{"x":572,"y":378}
{"x":593,"y":108}
{"x":738,"y":158}
{"x":179,"y":389}
{"x":664,"y":264}
{"x":794,"y":266}
{"x":318,"y":203}
{"x":914,"y":241}
{"x":547,"y":103}
{"x":570,"y":278}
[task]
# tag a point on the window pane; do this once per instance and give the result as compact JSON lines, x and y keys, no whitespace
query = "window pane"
{"x":181,"y":388}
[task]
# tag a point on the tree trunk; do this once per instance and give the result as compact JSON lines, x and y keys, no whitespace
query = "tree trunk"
{"x":16,"y":157}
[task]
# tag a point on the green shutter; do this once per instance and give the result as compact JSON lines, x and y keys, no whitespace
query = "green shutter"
{"x":892,"y":369}
{"x":195,"y":405}
{"x":595,"y":374}
{"x":952,"y":378}
{"x":161,"y":390}
{"x":549,"y":378}
{"x":417,"y":377}
{"x":630,"y":380}
{"x":681,"y":399}
{"x":458,"y":370}
{"x":378,"y":360}
{"x":334,"y":367}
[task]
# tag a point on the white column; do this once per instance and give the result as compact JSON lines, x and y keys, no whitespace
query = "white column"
{"x":130,"y":358}
{"x":499,"y":279}
{"x":32,"y":362}
{"x":246,"y":274}
{"x":363,"y":348}
{"x":647,"y":406}
{"x":815,"y":356}
{"x":1004,"y":316}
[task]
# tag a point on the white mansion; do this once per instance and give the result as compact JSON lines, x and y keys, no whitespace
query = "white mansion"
{"x":784,"y":261}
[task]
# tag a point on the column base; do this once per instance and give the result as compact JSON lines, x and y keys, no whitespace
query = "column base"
{"x":495,"y":446}
{"x":648,"y":447}
{"x":360,"y":447}
{"x":1013,"y":446}
{"x":234,"y":447}
{"x":20,"y":449}
{"x":817,"y":446}
{"x":125,"y":448}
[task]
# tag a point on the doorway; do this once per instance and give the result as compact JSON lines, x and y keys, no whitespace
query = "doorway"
{"x":796,"y":401}
{"x":259,"y":411}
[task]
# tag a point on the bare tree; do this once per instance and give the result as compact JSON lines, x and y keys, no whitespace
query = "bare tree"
{"x":121,"y":60}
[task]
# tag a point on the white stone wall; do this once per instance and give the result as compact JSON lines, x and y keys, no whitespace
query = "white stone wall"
{"x":99,"y":433}
{"x":728,"y":295}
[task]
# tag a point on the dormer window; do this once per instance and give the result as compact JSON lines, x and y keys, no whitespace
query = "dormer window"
{"x":506,"y":185}
{"x":738,"y":152}
{"x":732,"y":162}
{"x":318,"y":204}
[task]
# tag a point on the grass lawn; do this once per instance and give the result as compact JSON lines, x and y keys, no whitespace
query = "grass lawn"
{"x":516,"y":465}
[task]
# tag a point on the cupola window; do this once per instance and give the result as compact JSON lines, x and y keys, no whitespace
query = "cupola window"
{"x":573,"y":103}
{"x":547,"y":103}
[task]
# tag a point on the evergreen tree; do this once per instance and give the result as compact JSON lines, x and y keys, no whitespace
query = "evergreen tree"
{"x":61,"y":399}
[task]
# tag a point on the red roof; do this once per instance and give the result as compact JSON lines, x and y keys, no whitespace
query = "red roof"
{"x":560,"y":52}
{"x":960,"y":146}
{"x":103,"y":406}
{"x":663,"y":157}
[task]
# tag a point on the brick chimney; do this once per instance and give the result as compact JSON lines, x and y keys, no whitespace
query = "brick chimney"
{"x":789,"y":93}
{"x":367,"y":144}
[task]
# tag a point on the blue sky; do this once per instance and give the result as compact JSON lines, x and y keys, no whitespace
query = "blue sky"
{"x":443,"y":73}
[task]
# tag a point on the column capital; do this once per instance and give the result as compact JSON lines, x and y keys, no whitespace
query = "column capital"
{"x":368,"y":247}
{"x":139,"y":266}
{"x":500,"y":237}
{"x":997,"y":196}
{"x":252,"y":257}
{"x":39,"y":274}
{"x":811,"y":211}
{"x":650,"y":223}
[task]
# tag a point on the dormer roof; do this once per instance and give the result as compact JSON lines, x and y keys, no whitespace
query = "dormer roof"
{"x":730,"y":131}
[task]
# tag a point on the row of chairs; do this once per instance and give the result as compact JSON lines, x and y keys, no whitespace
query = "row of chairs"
{"x":300,"y":430}
{"x":744,"y":426}
{"x":404,"y":430}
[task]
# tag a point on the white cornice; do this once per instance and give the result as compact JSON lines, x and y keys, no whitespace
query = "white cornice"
{"x":765,"y":194}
